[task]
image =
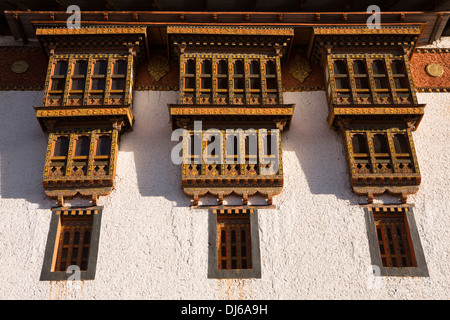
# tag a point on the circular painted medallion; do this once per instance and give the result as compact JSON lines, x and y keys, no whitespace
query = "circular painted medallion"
{"x":19,"y":66}
{"x":434,"y":70}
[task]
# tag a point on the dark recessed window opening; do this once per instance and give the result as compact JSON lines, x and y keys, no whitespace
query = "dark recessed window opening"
{"x":271,"y":67}
{"x":254,"y":67}
{"x":378,"y":67}
{"x":190,"y":67}
{"x":222,"y":67}
{"x":60,"y":68}
{"x":359,"y":143}
{"x":400,"y":143}
{"x":61,"y":147}
{"x":380,"y":143}
{"x":74,"y":242}
{"x":206,"y":67}
{"x":82,"y":146}
{"x":234,"y":251}
{"x":340,"y":67}
{"x":359,"y":67}
{"x":239,"y":67}
{"x":103,"y":146}
{"x":100,"y":67}
{"x":393,"y":240}
{"x":120,"y":67}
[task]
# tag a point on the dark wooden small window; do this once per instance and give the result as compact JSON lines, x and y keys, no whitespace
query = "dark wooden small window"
{"x":80,"y":68}
{"x":74,"y":242}
{"x":222,"y":67}
{"x":380,"y":143}
{"x":206,"y":67}
{"x":239,"y":67}
{"x":60,"y":68}
{"x":359,"y":143}
{"x":78,"y":84}
{"x":400,"y":143}
{"x":98,"y":84}
{"x":190,"y":67}
{"x":254,"y":67}
{"x":82,"y":146}
{"x":118,"y":84}
{"x":394,"y":240}
{"x":340,"y":67}
{"x":100,"y":67}
{"x":61,"y":147}
{"x":120,"y":67}
{"x":103,"y":146}
{"x":359,"y":67}
{"x":378,"y":67}
{"x":271,"y":67}
{"x":234,"y":243}
{"x":398,"y":67}
{"x":271,"y":84}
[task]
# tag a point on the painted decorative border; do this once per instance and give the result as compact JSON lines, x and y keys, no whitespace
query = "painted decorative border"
{"x":87,"y":31}
{"x":231,"y":30}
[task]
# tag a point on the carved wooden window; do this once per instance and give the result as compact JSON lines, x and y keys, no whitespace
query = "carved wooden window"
{"x":229,"y":78}
{"x":80,"y":79}
{"x":238,"y":77}
{"x":58,"y":79}
{"x":271,"y":77}
{"x":341,"y":78}
{"x":391,"y":151}
{"x":206,"y":77}
{"x":74,"y":242}
{"x":222,"y":78}
{"x":369,"y":78}
{"x":61,"y":146}
{"x":83,"y":160}
{"x":400,"y":77}
{"x":394,"y":239}
{"x":98,"y":78}
{"x":118,"y":79}
{"x":234,"y":241}
{"x":361,"y":78}
{"x":255,"y":78}
{"x":380,"y":76}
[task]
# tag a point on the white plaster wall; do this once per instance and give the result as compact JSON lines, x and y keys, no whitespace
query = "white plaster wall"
{"x":153,"y":246}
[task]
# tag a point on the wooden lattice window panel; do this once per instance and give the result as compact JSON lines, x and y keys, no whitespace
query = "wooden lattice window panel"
{"x":74,"y":240}
{"x":222,"y":78}
{"x":234,"y":240}
{"x":369,"y":79}
{"x":393,"y":236}
{"x":81,"y":153}
{"x":87,"y":79}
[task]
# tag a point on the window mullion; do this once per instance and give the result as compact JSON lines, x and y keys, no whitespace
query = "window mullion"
{"x":246,"y":80}
{"x":280,"y":84}
{"x":214,"y":80}
{"x":50,"y":68}
{"x":230,"y":80}
{"x":391,"y":79}
{"x":197,"y":79}
{"x":393,"y":158}
{"x":69,"y":154}
{"x":107,"y":92}
{"x":371,"y":80}
{"x":371,"y":151}
{"x":68,"y":80}
{"x":87,"y":84}
{"x":262,"y":69}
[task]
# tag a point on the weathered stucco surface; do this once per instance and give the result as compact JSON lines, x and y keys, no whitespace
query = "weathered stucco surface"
{"x":153,"y":246}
